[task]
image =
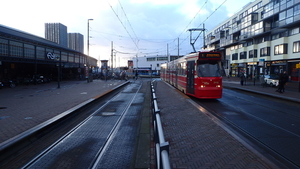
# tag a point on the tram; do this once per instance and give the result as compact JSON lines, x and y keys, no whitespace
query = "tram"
{"x":196,"y":74}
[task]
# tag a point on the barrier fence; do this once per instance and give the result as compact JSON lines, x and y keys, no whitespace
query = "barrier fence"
{"x":161,"y":146}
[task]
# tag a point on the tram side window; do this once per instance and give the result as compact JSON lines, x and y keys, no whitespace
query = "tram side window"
{"x":208,"y":69}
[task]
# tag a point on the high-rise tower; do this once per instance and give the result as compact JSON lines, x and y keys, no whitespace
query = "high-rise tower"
{"x":57,"y":33}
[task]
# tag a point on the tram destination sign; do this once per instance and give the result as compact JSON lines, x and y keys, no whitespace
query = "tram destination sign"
{"x":208,"y":55}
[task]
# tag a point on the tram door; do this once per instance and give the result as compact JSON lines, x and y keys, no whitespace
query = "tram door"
{"x":190,"y":77}
{"x":176,"y":76}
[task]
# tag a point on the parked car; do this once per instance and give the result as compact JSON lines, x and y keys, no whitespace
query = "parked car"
{"x":272,"y":80}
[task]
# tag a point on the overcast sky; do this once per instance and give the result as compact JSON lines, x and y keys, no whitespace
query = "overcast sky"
{"x":143,"y":27}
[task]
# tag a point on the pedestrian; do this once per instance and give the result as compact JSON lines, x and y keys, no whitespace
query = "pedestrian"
{"x":242,"y":79}
{"x":136,"y":75}
{"x":283,"y":78}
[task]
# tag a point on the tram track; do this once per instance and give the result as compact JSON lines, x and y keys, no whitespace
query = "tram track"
{"x":17,"y":152}
{"x":75,"y":132}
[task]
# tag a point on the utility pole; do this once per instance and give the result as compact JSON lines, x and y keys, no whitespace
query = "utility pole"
{"x":178,"y":47}
{"x":203,"y":37}
{"x":168,"y":53}
{"x":112,"y":56}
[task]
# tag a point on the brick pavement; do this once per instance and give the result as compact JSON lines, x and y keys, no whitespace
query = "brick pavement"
{"x":196,"y":141}
{"x":24,"y":107}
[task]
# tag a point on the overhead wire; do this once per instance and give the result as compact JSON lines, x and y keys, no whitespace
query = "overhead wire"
{"x":135,"y":43}
{"x":212,"y":13}
{"x":202,"y":22}
{"x":128,"y":20}
{"x":166,"y":40}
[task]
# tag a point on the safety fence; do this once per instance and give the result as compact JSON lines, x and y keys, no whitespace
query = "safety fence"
{"x":161,"y":146}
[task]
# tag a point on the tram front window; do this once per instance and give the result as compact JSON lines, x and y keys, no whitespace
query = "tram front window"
{"x":208,"y":69}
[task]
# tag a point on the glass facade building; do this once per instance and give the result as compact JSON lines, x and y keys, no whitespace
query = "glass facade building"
{"x":262,"y":38}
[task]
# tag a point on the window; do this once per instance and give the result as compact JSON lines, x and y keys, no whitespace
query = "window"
{"x":296,"y":47}
{"x":294,"y":31}
{"x":16,"y":49}
{"x":151,"y":59}
{"x":40,"y":52}
{"x":162,"y":58}
{"x":64,"y":56}
{"x":3,"y":47}
{"x":208,"y":69}
{"x":296,"y":9}
{"x":28,"y":51}
{"x":253,"y":53}
{"x":280,"y":49}
{"x":235,"y":56}
{"x":265,"y":51}
{"x":282,"y":15}
{"x":282,"y":5}
{"x":77,"y":58}
{"x":243,"y":55}
{"x":289,"y":3}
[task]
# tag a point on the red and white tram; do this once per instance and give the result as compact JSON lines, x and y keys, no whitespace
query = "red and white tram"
{"x":196,"y":74}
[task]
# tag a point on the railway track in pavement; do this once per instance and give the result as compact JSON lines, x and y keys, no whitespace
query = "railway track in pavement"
{"x":99,"y":134}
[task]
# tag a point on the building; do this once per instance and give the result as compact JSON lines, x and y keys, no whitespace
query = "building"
{"x":263,"y":38}
{"x":56,"y":32}
{"x":23,"y":55}
{"x":75,"y":41}
{"x":152,"y":62}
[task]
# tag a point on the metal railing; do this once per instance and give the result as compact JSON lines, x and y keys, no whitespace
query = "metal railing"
{"x":161,"y":146}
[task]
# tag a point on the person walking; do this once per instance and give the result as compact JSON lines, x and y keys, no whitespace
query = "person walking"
{"x":283,"y":78}
{"x":242,"y":79}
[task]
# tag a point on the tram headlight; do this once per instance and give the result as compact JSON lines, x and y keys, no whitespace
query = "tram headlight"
{"x":218,"y":85}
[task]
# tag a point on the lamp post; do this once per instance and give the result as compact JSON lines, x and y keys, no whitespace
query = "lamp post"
{"x":88,"y":48}
{"x":88,"y":35}
{"x":58,"y":71}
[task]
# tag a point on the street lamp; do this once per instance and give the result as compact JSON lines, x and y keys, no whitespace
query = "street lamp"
{"x":88,"y":35}
{"x":58,"y":71}
{"x":88,"y":46}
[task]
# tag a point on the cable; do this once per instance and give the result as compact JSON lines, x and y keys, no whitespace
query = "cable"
{"x":123,"y":25}
{"x":127,"y":19}
{"x":192,"y":19}
{"x":211,"y":13}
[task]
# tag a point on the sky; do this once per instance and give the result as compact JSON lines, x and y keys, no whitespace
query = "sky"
{"x":131,"y":27}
